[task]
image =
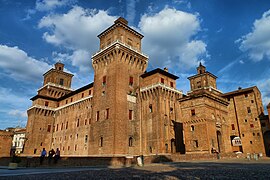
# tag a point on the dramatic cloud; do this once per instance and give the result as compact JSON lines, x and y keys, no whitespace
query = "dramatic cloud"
{"x":257,"y":43}
{"x":77,"y":31}
{"x":19,"y":66}
{"x":48,"y":5}
{"x":169,"y":38}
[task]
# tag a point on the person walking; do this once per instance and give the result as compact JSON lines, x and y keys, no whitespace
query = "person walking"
{"x":43,"y":155}
{"x":57,"y":155}
{"x":51,"y":154}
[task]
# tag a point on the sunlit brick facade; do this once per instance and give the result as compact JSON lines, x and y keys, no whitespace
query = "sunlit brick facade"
{"x":128,"y":111}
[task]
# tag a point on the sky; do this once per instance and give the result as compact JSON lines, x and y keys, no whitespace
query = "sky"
{"x":230,"y":37}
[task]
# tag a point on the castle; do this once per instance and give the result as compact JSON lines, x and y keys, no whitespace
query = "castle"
{"x":127,"y":111}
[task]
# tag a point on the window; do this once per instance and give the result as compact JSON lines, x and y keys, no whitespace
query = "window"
{"x":46,"y":103}
{"x":85,"y":121}
{"x":195,"y":143}
{"x":256,"y":119}
{"x":258,"y":134}
{"x":71,"y":99}
{"x":97,"y":116}
{"x":68,"y":148}
{"x":243,"y":135}
{"x":82,"y":95}
{"x":107,"y":113}
{"x":78,"y":122}
{"x":252,"y":101}
{"x":171,"y":83}
{"x":35,"y":151}
{"x":199,"y":84}
{"x":86,"y":139}
{"x":66,"y":101}
{"x":192,"y":128}
{"x":101,"y":142}
{"x":60,"y":68}
{"x":130,"y":142}
{"x":253,"y":134}
{"x":61,"y":82}
{"x":192,"y":112}
{"x":233,"y":128}
{"x":130,"y":80}
{"x":104,"y":81}
{"x":150,"y":108}
{"x":245,"y":120}
{"x":49,"y":128}
{"x":250,"y":142}
{"x":246,"y":95}
{"x":252,"y":125}
{"x":90,"y":92}
{"x":171,"y":110}
{"x":130,"y":112}
{"x":75,"y":147}
{"x":67,"y":125}
{"x":56,"y":127}
{"x":103,"y":93}
{"x":62,"y":126}
{"x":248,"y":110}
{"x":162,"y":80}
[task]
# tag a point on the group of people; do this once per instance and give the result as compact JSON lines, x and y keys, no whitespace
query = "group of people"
{"x":52,"y":155}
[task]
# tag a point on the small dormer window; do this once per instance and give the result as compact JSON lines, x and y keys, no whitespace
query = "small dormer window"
{"x":61,"y":82}
{"x":162,"y":80}
{"x":60,"y":68}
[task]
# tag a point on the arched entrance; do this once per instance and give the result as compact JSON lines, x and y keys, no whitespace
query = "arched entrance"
{"x":219,"y":141}
{"x":266,"y":138}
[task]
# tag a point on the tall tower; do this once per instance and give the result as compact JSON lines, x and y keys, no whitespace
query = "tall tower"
{"x":41,"y":114}
{"x":202,"y":80}
{"x":118,"y":66}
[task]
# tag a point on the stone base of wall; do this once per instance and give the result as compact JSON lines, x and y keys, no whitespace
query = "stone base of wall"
{"x":116,"y":161}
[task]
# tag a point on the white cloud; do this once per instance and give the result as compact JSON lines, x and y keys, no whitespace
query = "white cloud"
{"x":169,"y":38}
{"x":257,"y":42}
{"x":17,"y":64}
{"x":48,"y":5}
{"x":76,"y":31}
{"x":18,"y":113}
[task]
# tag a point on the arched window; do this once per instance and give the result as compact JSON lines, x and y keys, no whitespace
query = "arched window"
{"x":192,"y":128}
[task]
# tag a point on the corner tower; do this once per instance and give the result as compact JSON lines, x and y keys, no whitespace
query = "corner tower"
{"x":118,"y":65}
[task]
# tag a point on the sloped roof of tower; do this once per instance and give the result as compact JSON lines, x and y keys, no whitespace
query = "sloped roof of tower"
{"x":160,"y":71}
{"x":120,"y":22}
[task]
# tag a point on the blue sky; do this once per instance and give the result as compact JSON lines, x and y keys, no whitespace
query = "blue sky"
{"x":230,"y":37}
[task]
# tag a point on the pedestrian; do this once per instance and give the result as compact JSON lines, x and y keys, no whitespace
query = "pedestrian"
{"x":43,"y":155}
{"x":57,"y":155}
{"x":51,"y":154}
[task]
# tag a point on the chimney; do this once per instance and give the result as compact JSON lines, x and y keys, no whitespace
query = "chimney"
{"x":166,"y":69}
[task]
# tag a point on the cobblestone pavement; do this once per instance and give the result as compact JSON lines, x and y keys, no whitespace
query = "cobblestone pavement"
{"x":179,"y":170}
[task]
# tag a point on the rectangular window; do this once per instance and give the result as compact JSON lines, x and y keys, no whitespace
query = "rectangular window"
{"x":171,"y":83}
{"x":97,"y":116}
{"x":104,"y":81}
{"x":107,"y":113}
{"x":195,"y":143}
{"x":82,"y":95}
{"x":130,"y":80}
{"x":150,"y":108}
{"x":90,"y":92}
{"x":248,"y":110}
{"x":85,"y":121}
{"x":67,"y":125}
{"x":86,"y":139}
{"x":62,"y":126}
{"x":252,"y":125}
{"x":46,"y":103}
{"x":71,"y":99}
{"x":130,"y":114}
{"x":66,"y":101}
{"x":162,"y":80}
{"x":233,"y":128}
{"x":78,"y":122}
{"x":61,"y":82}
{"x":49,"y":128}
{"x":56,"y":127}
{"x":193,"y":112}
